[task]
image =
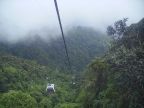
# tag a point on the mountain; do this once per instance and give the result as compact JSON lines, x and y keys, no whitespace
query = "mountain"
{"x":28,"y":65}
{"x":83,"y":44}
{"x":113,"y":80}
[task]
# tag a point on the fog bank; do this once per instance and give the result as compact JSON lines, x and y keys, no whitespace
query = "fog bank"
{"x":18,"y":18}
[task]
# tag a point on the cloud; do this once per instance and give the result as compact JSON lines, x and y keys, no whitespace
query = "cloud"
{"x":19,"y":17}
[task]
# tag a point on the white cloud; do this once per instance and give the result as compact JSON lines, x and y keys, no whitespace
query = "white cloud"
{"x":18,"y":17}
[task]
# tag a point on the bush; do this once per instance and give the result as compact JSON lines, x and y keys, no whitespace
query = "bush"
{"x":17,"y":99}
{"x":68,"y":105}
{"x":46,"y":103}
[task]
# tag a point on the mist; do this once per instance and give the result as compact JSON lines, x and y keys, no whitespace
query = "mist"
{"x":22,"y":18}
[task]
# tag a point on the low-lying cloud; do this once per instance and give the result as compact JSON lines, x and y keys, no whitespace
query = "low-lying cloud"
{"x":20,"y":17}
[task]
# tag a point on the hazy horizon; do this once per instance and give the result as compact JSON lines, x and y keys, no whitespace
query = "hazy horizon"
{"x":20,"y":17}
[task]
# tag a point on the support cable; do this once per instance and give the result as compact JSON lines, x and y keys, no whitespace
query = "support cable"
{"x":63,"y":37}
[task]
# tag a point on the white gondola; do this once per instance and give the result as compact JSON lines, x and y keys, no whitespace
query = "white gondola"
{"x":50,"y":88}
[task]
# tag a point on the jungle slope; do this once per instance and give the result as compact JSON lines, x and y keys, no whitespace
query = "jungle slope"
{"x":116,"y":80}
{"x":23,"y":85}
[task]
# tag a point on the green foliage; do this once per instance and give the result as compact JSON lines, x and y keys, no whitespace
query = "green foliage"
{"x":32,"y":78}
{"x":15,"y":99}
{"x":37,"y":95}
{"x":81,"y":96}
{"x":68,"y":105}
{"x":117,"y":79}
{"x":46,"y":103}
{"x":10,"y":69}
{"x":96,"y":80}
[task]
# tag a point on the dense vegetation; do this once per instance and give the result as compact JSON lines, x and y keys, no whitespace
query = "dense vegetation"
{"x":23,"y":85}
{"x":117,"y":79}
{"x":114,"y":80}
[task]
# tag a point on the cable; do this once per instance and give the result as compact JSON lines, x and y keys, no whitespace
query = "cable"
{"x":63,"y":37}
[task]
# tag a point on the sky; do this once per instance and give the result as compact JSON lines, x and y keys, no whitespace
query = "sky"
{"x":18,"y":18}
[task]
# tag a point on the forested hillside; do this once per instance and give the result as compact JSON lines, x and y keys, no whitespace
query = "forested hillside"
{"x":23,"y":85}
{"x":116,"y":80}
{"x":83,"y":43}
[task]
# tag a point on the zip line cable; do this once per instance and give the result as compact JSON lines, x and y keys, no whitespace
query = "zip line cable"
{"x":63,"y":37}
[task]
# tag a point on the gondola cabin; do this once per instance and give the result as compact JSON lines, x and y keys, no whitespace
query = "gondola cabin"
{"x":50,"y":88}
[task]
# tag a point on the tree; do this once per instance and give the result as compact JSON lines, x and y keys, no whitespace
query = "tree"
{"x":118,"y":29}
{"x":110,"y":30}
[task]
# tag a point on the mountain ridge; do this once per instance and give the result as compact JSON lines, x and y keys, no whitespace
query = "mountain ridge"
{"x":80,"y":41}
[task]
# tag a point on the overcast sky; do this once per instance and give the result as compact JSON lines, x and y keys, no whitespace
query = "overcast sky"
{"x":19,"y":17}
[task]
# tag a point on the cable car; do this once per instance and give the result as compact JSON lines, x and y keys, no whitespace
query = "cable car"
{"x":50,"y":88}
